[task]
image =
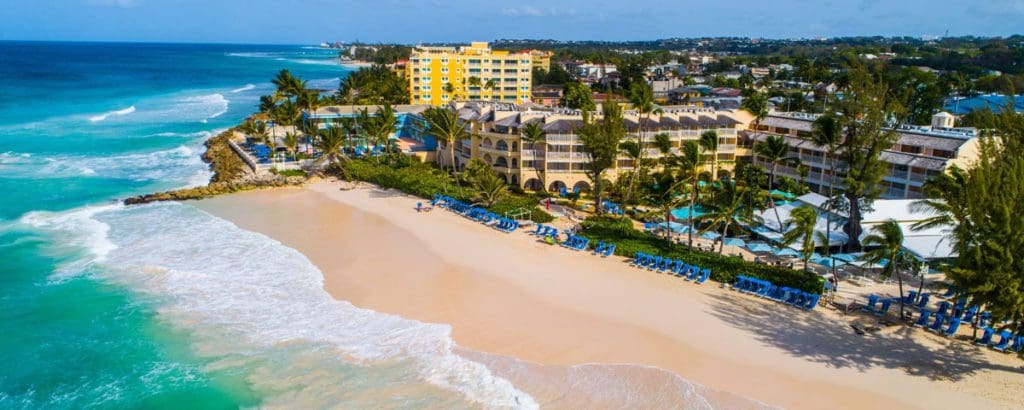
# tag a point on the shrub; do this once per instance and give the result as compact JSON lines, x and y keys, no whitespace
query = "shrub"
{"x":628,"y":241}
{"x":424,"y":180}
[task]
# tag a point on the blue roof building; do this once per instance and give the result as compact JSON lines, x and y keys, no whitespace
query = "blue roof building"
{"x":994,"y":102}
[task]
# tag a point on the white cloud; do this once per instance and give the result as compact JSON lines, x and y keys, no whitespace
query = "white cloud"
{"x":531,"y":11}
{"x":113,"y":3}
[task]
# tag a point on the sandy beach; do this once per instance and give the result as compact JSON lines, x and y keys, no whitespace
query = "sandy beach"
{"x":580,"y":331}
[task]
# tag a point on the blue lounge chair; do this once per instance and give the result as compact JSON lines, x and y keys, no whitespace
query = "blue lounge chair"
{"x":922,"y":320}
{"x":954,"y":325}
{"x":562,"y":192}
{"x":693,"y":272}
{"x":986,"y":337}
{"x":608,"y":251}
{"x":654,"y":263}
{"x":599,"y":248}
{"x":943,"y":306}
{"x":969,"y":314}
{"x":1018,"y":344}
{"x":1005,"y":337}
{"x":678,"y":267}
{"x":985,"y":319}
{"x":538,"y":230}
{"x":741,"y":283}
{"x":636,"y":259}
{"x":812,"y":302}
{"x":872,"y":301}
{"x":911,"y":297}
{"x":704,"y":275}
{"x":665,"y":264}
{"x":923,"y":301}
{"x":885,"y":307}
{"x":936,"y":326}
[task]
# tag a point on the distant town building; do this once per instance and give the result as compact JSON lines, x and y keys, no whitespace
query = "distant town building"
{"x":548,"y":95}
{"x":438,"y":75}
{"x":993,"y":102}
{"x":541,"y":59}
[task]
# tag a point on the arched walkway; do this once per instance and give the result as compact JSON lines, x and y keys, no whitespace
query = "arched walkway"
{"x":582,"y":186}
{"x":533,"y":184}
{"x":501,"y":162}
{"x":488,"y":159}
{"x":501,"y":145}
{"x":487,"y":143}
{"x":556,"y":186}
{"x":515,"y":180}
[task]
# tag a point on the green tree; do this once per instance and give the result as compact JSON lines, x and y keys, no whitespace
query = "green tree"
{"x":664,"y":192}
{"x":331,"y":142}
{"x":578,"y":96}
{"x":600,"y":142}
{"x":489,"y":187}
{"x":373,"y":85}
{"x":800,"y":227}
{"x":887,"y":238}
{"x":709,"y":142}
{"x":691,"y":163}
{"x":773,"y":150}
{"x":641,"y":96}
{"x":757,"y":105}
{"x":291,"y":143}
{"x":864,"y":113}
{"x":725,"y":210}
{"x":533,"y":134}
{"x":826,"y":133}
{"x":446,"y":127}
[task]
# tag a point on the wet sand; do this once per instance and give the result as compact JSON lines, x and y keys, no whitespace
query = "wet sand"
{"x":578,"y":324}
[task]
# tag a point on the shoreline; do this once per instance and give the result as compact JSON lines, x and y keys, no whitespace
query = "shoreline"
{"x":560,"y":309}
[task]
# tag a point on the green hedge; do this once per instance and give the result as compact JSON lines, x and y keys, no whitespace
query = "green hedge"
{"x":424,"y":180}
{"x":628,"y":241}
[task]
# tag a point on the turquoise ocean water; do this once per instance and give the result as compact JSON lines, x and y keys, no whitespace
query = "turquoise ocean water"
{"x":166,"y":306}
{"x":130,"y":307}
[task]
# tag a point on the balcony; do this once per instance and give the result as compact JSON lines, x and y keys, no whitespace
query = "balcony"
{"x":529,"y":154}
{"x":562,"y":139}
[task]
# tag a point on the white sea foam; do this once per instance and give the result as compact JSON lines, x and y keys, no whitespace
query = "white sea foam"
{"x":246,"y":298}
{"x":209,"y":106}
{"x":104,"y":116}
{"x":181,"y":164}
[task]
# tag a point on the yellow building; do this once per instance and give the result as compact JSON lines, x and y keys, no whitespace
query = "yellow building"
{"x":541,"y":59}
{"x":438,"y":75}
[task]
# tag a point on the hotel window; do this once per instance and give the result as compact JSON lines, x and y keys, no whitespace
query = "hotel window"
{"x":444,"y":70}
{"x":910,"y":149}
{"x":524,"y":88}
{"x":426,"y":69}
{"x":426,"y":61}
{"x":426,"y":79}
{"x":444,"y":61}
{"x":444,"y":79}
{"x":426,"y":88}
{"x":444,"y":96}
{"x":524,"y":62}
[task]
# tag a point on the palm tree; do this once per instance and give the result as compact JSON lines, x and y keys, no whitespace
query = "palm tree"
{"x":267,"y":104}
{"x":449,"y":88}
{"x":291,"y":143}
{"x":474,"y":81}
{"x":773,"y":150}
{"x":489,"y":85}
{"x":331,"y":145}
{"x":631,"y":149}
{"x":725,"y":211}
{"x":664,"y":192}
{"x":709,"y":142}
{"x":801,"y":227}
{"x":888,"y":237}
{"x":757,"y":105}
{"x":826,"y":132}
{"x":692,"y":163}
{"x":445,"y":126}
{"x":534,"y":135}
{"x":387,"y":125}
{"x":641,"y":96}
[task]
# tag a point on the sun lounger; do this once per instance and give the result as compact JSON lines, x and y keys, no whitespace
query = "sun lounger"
{"x":692,"y":271}
{"x":608,"y":251}
{"x":1005,"y":337}
{"x":1018,"y":344}
{"x":538,"y":230}
{"x":922,"y":320}
{"x":985,"y":319}
{"x":678,"y":267}
{"x":872,"y":301}
{"x":885,"y":307}
{"x":943,"y":306}
{"x":923,"y":300}
{"x":954,"y":325}
{"x":969,"y":314}
{"x":986,"y":336}
{"x":911,"y":298}
{"x":936,"y":326}
{"x":638,"y":258}
{"x":704,"y":275}
{"x":812,"y":301}
{"x":665,"y":264}
{"x":599,"y":248}
{"x":654,"y":263}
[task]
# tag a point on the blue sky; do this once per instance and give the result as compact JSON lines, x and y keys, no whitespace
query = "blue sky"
{"x":312,"y":21}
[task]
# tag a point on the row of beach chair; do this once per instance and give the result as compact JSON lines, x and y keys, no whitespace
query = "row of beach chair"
{"x":782,"y":294}
{"x":937,"y":322}
{"x":604,"y":249}
{"x":578,"y":243}
{"x":1006,"y":337}
{"x":476,"y":213}
{"x":673,"y":266}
